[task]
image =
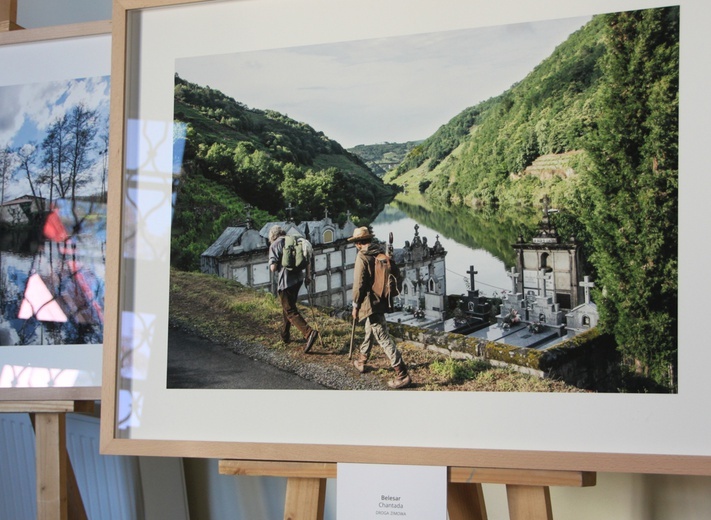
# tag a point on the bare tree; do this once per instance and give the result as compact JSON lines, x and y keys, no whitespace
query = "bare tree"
{"x":7,"y":164}
{"x":83,"y":129}
{"x":67,"y":152}
{"x":55,"y":158}
{"x":26,"y":156}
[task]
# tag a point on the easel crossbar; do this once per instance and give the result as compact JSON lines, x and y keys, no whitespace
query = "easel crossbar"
{"x":462,"y":475}
{"x":46,"y":406}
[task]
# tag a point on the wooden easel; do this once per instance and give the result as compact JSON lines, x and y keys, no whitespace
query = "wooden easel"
{"x":528,"y":490}
{"x":58,"y":496}
{"x":8,"y":15}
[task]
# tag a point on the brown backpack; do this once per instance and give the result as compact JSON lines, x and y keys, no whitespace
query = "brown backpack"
{"x":386,"y":280}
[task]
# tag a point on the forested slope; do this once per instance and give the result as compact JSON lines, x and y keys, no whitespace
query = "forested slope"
{"x":610,"y":93}
{"x":237,"y":156}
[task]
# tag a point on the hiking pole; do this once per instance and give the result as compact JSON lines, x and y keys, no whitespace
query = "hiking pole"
{"x":350,"y":351}
{"x":313,"y":313}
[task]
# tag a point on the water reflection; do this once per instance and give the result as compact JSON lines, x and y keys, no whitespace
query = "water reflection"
{"x":52,"y":278}
{"x":470,"y":238}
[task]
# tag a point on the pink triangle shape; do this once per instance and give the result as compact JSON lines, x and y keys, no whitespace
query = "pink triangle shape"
{"x":39,"y":302}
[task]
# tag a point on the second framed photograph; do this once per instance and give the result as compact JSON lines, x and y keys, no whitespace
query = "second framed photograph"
{"x":54,"y":125}
{"x":515,"y":175}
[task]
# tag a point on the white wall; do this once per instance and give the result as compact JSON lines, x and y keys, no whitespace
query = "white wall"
{"x":616,"y":496}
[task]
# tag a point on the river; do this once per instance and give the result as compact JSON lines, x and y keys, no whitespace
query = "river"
{"x":482,"y":240}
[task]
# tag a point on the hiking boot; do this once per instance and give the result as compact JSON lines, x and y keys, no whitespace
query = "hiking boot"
{"x":360,"y":363}
{"x":402,"y":378}
{"x":311,"y":340}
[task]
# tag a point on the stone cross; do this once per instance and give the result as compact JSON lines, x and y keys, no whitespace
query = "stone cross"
{"x":471,"y":272}
{"x":326,"y":212}
{"x":290,"y":209}
{"x":587,"y":284}
{"x":514,"y":278}
{"x":546,"y":211}
{"x":248,"y":207}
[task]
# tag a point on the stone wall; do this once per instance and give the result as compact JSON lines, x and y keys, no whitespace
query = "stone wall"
{"x":588,"y":361}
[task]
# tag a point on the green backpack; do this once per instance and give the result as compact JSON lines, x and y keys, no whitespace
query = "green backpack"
{"x":297,"y":253}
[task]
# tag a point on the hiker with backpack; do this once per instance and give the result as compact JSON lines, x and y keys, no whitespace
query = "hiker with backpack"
{"x":371,"y":301}
{"x":290,"y":258}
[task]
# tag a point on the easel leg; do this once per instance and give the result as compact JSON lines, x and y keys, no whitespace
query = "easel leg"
{"x":465,"y":502}
{"x":305,"y":498}
{"x":51,"y":456}
{"x":529,"y":502}
{"x":75,"y":504}
{"x":8,"y":15}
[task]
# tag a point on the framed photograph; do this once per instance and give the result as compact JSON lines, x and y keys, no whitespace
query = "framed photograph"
{"x":230,"y":118}
{"x":54,"y":156}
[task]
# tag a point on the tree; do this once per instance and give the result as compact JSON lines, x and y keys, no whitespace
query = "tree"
{"x":55,"y":158}
{"x":632,"y":188}
{"x":67,"y":148}
{"x":7,"y":164}
{"x":82,"y":131}
{"x":26,"y":156}
{"x":314,"y":192}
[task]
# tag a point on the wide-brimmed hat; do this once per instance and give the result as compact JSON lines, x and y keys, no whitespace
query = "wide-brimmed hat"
{"x":361,"y":234}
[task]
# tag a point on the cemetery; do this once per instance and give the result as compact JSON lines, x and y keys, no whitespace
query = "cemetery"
{"x":546,"y":323}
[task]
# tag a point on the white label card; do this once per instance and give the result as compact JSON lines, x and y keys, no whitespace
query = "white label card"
{"x":383,"y":491}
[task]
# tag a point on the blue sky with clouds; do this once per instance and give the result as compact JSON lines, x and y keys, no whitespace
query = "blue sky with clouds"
{"x":27,"y":111}
{"x":389,"y":89}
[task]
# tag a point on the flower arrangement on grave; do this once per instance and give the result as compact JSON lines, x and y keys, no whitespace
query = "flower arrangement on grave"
{"x":512,"y":317}
{"x":536,"y":327}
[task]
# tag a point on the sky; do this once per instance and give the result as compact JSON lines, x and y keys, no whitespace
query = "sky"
{"x":395,"y":89}
{"x":27,"y":111}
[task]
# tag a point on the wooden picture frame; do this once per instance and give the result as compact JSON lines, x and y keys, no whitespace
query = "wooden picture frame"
{"x":33,"y":56}
{"x":589,"y":432}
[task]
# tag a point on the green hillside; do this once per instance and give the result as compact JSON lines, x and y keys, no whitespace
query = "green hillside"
{"x":237,"y":157}
{"x":594,"y":127}
{"x":469,"y":160}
